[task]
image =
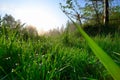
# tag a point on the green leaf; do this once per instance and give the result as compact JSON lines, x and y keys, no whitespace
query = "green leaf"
{"x":105,"y":59}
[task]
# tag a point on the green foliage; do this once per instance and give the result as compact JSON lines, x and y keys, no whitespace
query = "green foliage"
{"x":91,"y":15}
{"x":102,"y":56}
{"x":48,"y":58}
{"x":61,"y":57}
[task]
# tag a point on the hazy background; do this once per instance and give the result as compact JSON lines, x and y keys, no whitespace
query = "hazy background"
{"x":43,"y":14}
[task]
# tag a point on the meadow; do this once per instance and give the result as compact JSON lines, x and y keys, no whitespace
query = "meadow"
{"x":55,"y":57}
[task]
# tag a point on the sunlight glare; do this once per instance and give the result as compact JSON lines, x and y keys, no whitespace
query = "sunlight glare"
{"x":42,"y":19}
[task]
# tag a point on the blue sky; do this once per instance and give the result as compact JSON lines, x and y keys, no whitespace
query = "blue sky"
{"x":43,"y":14}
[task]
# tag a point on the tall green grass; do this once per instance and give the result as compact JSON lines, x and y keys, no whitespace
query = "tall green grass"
{"x":48,"y":58}
{"x":105,"y":59}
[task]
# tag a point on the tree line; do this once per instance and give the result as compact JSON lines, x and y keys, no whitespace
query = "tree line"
{"x":94,"y":15}
{"x":9,"y":25}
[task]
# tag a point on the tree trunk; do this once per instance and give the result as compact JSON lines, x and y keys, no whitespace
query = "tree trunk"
{"x":106,"y":12}
{"x":95,"y":6}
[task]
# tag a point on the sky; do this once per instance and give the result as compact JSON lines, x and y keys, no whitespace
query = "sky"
{"x":43,"y":14}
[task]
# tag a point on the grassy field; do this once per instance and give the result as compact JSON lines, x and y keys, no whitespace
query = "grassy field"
{"x":52,"y":58}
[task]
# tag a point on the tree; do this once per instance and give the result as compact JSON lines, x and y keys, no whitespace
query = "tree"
{"x":10,"y":26}
{"x":31,"y":31}
{"x":9,"y":21}
{"x":53,"y":32}
{"x":93,"y":15}
{"x":73,"y":9}
{"x":93,"y":10}
{"x":106,"y":12}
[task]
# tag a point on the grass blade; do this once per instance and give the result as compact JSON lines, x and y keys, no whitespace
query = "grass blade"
{"x":105,"y":59}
